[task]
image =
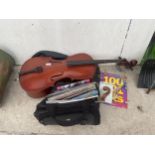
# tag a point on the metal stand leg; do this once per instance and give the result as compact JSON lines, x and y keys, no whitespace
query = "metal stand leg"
{"x":151,"y":87}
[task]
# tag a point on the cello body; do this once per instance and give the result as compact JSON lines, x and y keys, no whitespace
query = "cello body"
{"x":51,"y":72}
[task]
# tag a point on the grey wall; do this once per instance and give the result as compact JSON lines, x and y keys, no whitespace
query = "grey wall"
{"x":102,"y":39}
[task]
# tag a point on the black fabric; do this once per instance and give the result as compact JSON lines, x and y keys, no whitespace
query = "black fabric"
{"x":96,"y":77}
{"x":54,"y":55}
{"x":68,"y":114}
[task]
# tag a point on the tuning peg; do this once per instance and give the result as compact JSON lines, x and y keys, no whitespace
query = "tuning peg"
{"x":133,"y":63}
{"x":126,"y":63}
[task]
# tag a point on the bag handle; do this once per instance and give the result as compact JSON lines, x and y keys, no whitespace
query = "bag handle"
{"x":70,"y":121}
{"x":54,"y":55}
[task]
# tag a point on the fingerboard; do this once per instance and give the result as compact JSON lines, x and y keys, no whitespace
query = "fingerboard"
{"x":90,"y":62}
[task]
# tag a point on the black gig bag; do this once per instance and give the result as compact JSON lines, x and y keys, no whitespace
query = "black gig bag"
{"x":83,"y":112}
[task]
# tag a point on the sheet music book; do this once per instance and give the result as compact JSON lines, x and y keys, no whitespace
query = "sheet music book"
{"x":113,"y":90}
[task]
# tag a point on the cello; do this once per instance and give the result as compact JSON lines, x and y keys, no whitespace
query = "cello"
{"x":47,"y":69}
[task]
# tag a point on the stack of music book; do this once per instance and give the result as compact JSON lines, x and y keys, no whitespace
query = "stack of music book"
{"x":77,"y":91}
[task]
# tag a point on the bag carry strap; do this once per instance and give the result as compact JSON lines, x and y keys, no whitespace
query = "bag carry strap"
{"x":54,"y":55}
{"x":75,"y":119}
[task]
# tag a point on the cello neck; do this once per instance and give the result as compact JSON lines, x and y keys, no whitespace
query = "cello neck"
{"x":91,"y":62}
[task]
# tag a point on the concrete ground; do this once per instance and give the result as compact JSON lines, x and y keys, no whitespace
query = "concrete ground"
{"x":16,"y":113}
